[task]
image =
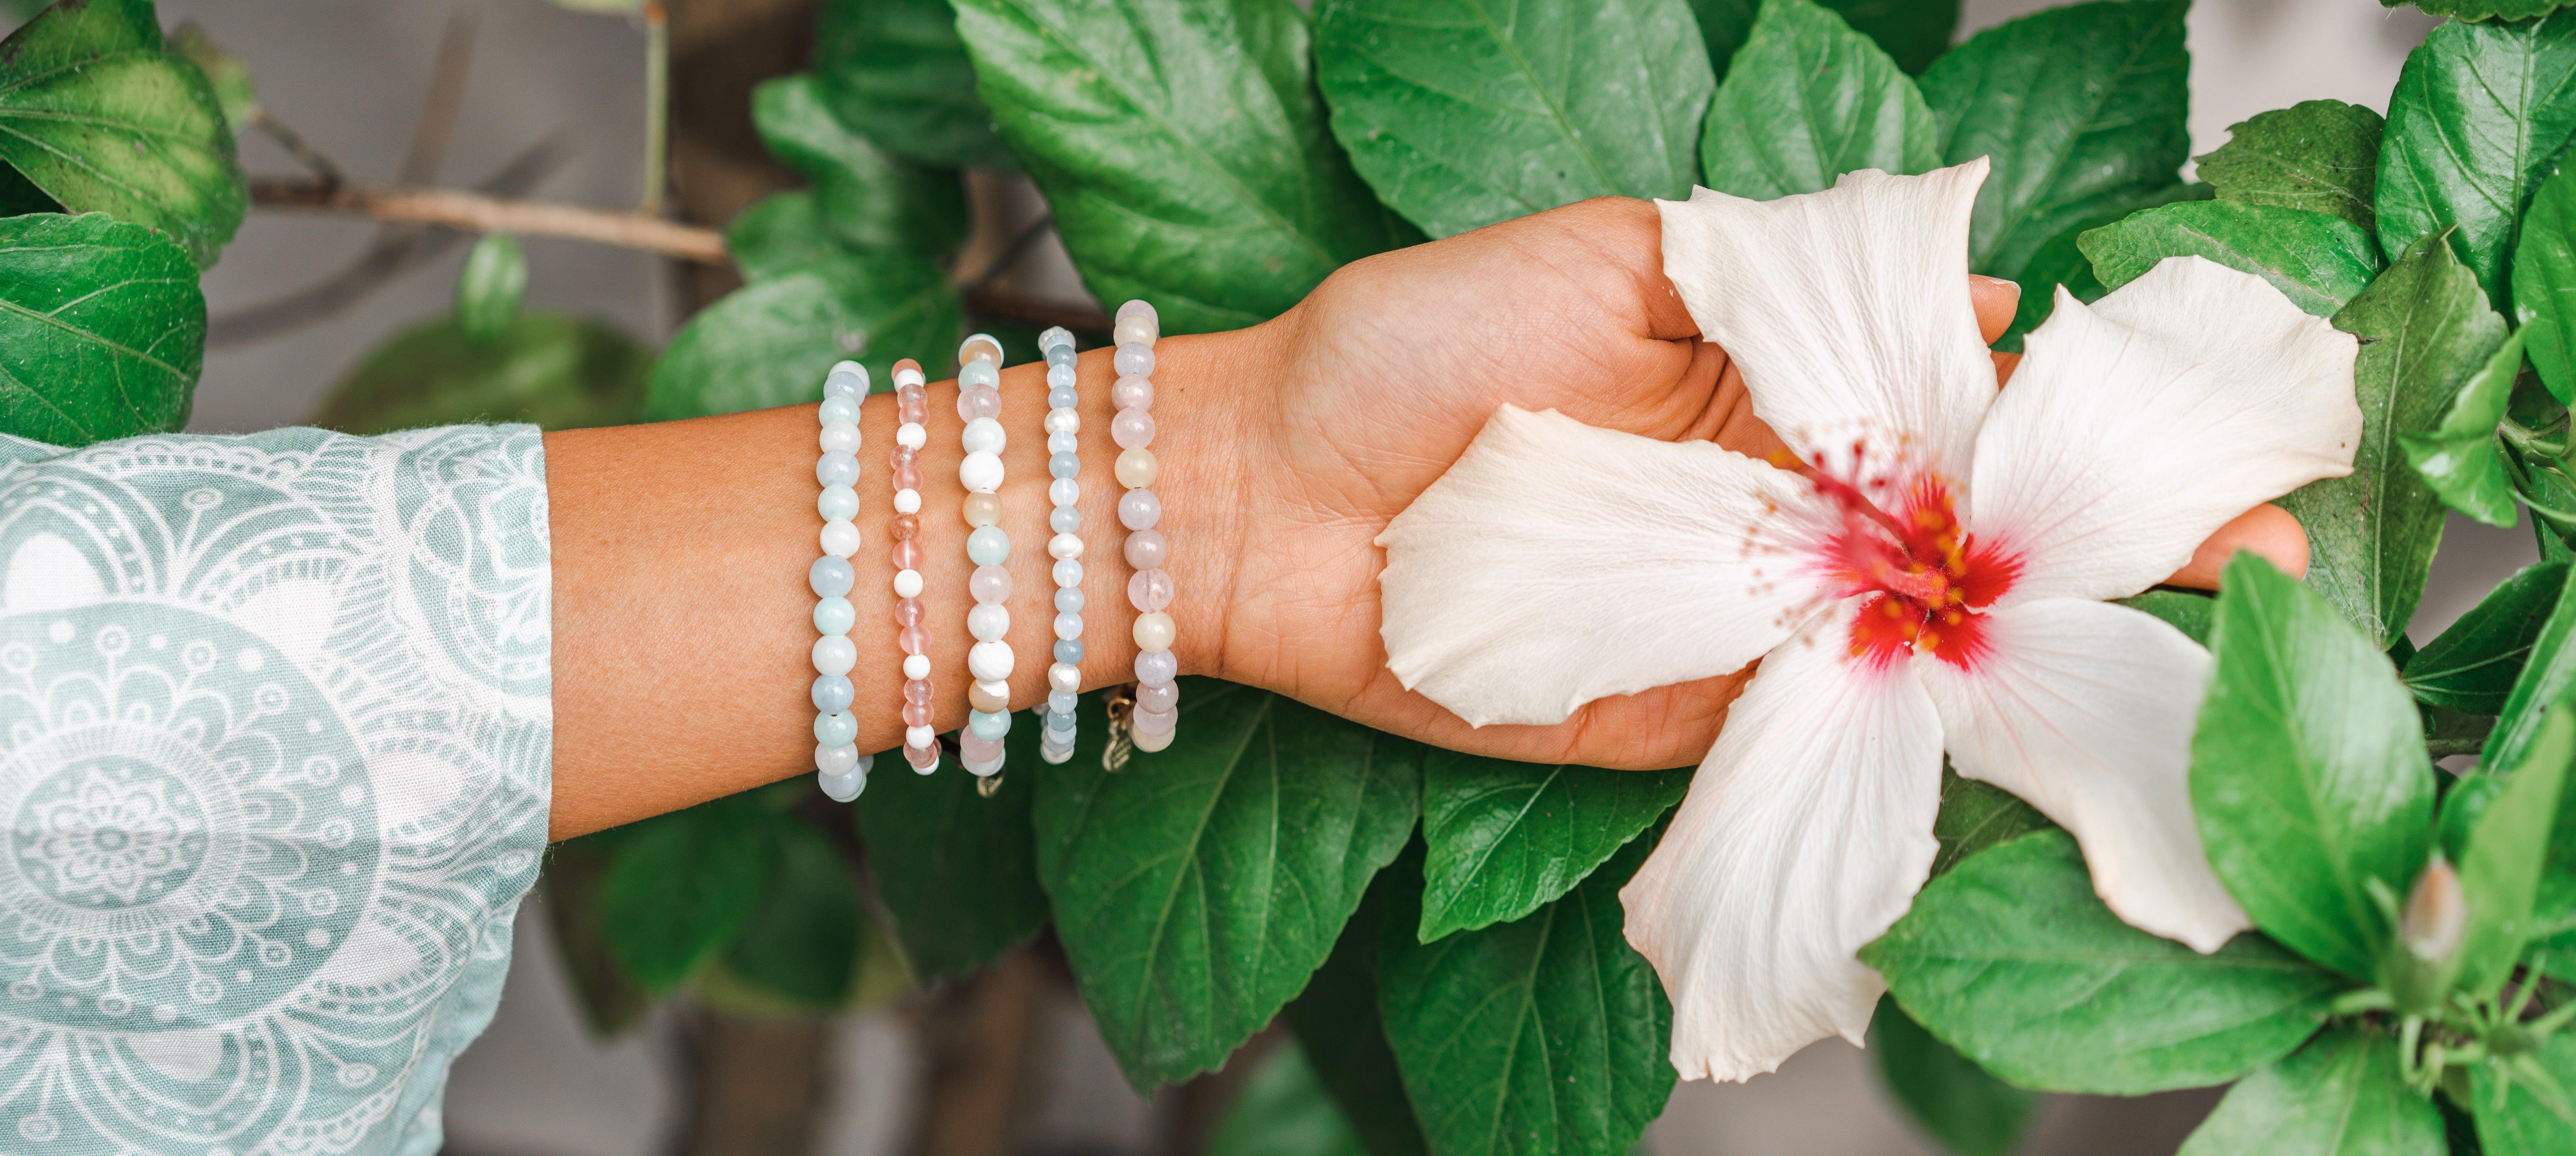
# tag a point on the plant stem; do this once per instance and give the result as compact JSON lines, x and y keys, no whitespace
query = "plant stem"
{"x":477,"y":213}
{"x":657,"y":106}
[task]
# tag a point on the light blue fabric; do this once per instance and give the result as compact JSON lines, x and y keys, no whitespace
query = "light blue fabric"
{"x":275,"y":747}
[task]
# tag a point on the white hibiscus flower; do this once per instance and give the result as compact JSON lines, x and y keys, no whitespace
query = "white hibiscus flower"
{"x":1931,"y":578}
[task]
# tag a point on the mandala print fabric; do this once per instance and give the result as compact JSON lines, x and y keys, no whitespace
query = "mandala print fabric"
{"x":274,"y":751}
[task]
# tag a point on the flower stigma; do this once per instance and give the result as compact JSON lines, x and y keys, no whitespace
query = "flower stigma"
{"x":1921,"y":577}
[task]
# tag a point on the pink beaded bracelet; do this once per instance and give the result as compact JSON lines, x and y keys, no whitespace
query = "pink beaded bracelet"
{"x":912,"y":409}
{"x":1149,"y":723}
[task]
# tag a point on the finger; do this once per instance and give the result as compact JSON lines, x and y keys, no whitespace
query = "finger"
{"x":2267,"y":530}
{"x":1995,"y":299}
{"x":2005,"y":363}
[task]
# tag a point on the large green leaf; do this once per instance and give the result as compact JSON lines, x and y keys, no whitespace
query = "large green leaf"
{"x":2425,"y":329}
{"x":2544,"y":284}
{"x":1911,"y":31}
{"x":102,"y":329}
{"x":1962,"y":1105}
{"x":1183,"y":147}
{"x":2081,"y":110}
{"x":2011,"y":959}
{"x":1808,"y":100}
{"x":2318,"y":155}
{"x":2339,"y":1096}
{"x":2318,"y":262}
{"x":897,"y":71}
{"x":2532,"y":1113}
{"x":1543,"y":1036}
{"x":2472,"y":665}
{"x":1336,"y":1023}
{"x":801,"y":943}
{"x":1284,"y":1111}
{"x":779,"y":234}
{"x":2548,"y":678}
{"x":2307,"y":770}
{"x":958,"y":871}
{"x":681,"y":886}
{"x":2480,"y":112}
{"x":769,"y":343}
{"x":1461,"y":113}
{"x":1507,"y":837}
{"x":2459,"y":457}
{"x":2500,"y":875}
{"x":2482,"y":9}
{"x":865,"y":195}
{"x":490,"y":286}
{"x":97,"y":112}
{"x":1196,"y":890}
{"x":552,"y":370}
{"x":1975,"y":816}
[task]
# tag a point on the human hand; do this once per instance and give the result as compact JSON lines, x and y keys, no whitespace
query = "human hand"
{"x":1385,"y":373}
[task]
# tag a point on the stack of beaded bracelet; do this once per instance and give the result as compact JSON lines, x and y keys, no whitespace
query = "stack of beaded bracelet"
{"x":988,"y":546}
{"x":912,"y":409}
{"x":1158,"y":696}
{"x":840,"y":768}
{"x":1064,"y":464}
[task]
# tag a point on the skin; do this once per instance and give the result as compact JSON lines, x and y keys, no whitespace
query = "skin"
{"x":680,"y":549}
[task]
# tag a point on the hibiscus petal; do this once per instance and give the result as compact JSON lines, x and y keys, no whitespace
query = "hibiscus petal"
{"x":1805,"y":834}
{"x":1847,"y":311}
{"x":2136,"y":427}
{"x":1557,"y":563}
{"x":2085,"y":709}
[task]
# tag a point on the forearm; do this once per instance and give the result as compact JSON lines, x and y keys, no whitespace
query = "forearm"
{"x":682,"y":618}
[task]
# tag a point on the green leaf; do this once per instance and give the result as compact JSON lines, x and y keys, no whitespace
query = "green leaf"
{"x":490,"y":287}
{"x":777,"y":235}
{"x":97,"y":113}
{"x":1182,"y":146}
{"x":1196,"y":890}
{"x":226,"y":73}
{"x":2012,"y":960}
{"x":1808,"y":100}
{"x":2307,"y":770}
{"x":2424,"y":329}
{"x":2318,"y":155}
{"x":1336,"y":1022}
{"x":2547,"y":679}
{"x":18,"y":197}
{"x":2081,"y":109}
{"x":1284,"y":1111}
{"x":867,"y":197}
{"x":2459,"y":457}
{"x":2482,"y":9}
{"x":2341,"y":1095}
{"x":2318,"y":262}
{"x":2479,"y":113}
{"x":682,"y":886}
{"x":801,"y":943}
{"x":2529,"y":1108}
{"x":2062,"y":262}
{"x":102,"y":326}
{"x":2544,"y":284}
{"x":1975,"y":816}
{"x":2500,"y":875}
{"x":897,"y":69}
{"x":2472,"y":665}
{"x":769,"y":343}
{"x":1963,"y":1106}
{"x":958,"y":871}
{"x":1506,"y":838}
{"x":1542,"y":1036}
{"x":1914,"y":32}
{"x":1461,"y":113}
{"x":2184,"y":610}
{"x":555,"y":371}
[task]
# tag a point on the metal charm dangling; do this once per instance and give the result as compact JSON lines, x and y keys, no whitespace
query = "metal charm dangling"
{"x":988,"y":785}
{"x":1121,"y":703}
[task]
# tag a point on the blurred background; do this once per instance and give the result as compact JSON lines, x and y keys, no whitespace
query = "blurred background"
{"x":548,"y":102}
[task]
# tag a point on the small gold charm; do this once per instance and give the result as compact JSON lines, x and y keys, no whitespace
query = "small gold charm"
{"x":1121,"y":703}
{"x":988,"y":785}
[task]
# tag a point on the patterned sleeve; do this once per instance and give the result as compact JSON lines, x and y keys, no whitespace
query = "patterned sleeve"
{"x":275,"y":741}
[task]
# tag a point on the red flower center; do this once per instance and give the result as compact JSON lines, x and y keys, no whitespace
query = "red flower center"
{"x":1921,"y":578}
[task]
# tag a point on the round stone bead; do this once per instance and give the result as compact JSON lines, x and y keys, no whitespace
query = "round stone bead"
{"x":1134,"y":359}
{"x":1134,"y":330}
{"x":832,"y":692}
{"x":978,"y":401}
{"x":983,"y":347}
{"x":1068,"y":600}
{"x":1055,"y":753}
{"x":836,"y":469}
{"x":907,"y":501}
{"x":1069,"y":651}
{"x":1131,"y":393}
{"x":904,"y":527}
{"x":907,"y":583}
{"x":1133,"y":428}
{"x":837,"y":504}
{"x":912,"y":640}
{"x":834,"y":616}
{"x":989,"y":621}
{"x":983,"y":436}
{"x":988,"y":724}
{"x":830,"y":577}
{"x":908,"y":612}
{"x":835,"y":654}
{"x":1152,"y":722}
{"x":1064,"y":546}
{"x":1068,"y":626}
{"x":916,"y":690}
{"x":920,"y":738}
{"x":1059,"y":702}
{"x":1062,"y":396}
{"x":1156,"y":667}
{"x":1139,"y":509}
{"x":848,"y":380}
{"x":1060,"y":722}
{"x":980,"y":473}
{"x":983,"y":770}
{"x":842,"y":788}
{"x":839,"y":435}
{"x":989,"y":584}
{"x":1137,"y":469}
{"x":1149,"y":590}
{"x":989,"y":546}
{"x":1062,"y":443}
{"x":839,"y":539}
{"x":1062,"y":355}
{"x":907,"y":477}
{"x":1060,"y":377}
{"x":1164,"y":697}
{"x":1059,"y":421}
{"x":836,"y":410}
{"x":911,"y":435}
{"x":1064,"y":465}
{"x":837,"y":729}
{"x":1155,"y":631}
{"x":989,"y":661}
{"x":981,"y":509}
{"x":1146,"y":549}
{"x":1064,"y":678}
{"x":1138,"y":307}
{"x":975,"y":748}
{"x":916,"y":714}
{"x":916,"y":668}
{"x":840,"y":760}
{"x":1068,"y":572}
{"x":983,"y":697}
{"x":1150,"y":743}
{"x":1064,"y":519}
{"x":1064,"y":492}
{"x":978,"y":374}
{"x":906,"y":553}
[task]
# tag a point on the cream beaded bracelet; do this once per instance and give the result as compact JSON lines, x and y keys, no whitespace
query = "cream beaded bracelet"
{"x":839,"y":767}
{"x":912,"y":410}
{"x":988,"y":546}
{"x":1149,"y":723}
{"x":1064,"y":522}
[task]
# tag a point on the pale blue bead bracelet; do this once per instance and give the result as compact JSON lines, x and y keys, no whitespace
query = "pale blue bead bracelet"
{"x":839,"y":767}
{"x":1063,"y":429}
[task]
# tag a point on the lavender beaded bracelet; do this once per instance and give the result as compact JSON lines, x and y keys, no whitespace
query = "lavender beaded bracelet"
{"x":839,"y":767}
{"x":979,"y":404}
{"x":1157,"y":708}
{"x":1064,"y":492}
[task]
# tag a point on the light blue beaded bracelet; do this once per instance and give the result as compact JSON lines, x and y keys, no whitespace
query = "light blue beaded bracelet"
{"x":988,"y":546}
{"x":839,"y":767}
{"x":1063,"y":427}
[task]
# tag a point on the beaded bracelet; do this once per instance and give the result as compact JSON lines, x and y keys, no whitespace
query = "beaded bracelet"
{"x":988,"y":546}
{"x":1157,"y":707}
{"x":912,"y":409}
{"x":839,"y":767}
{"x":1064,"y":464}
